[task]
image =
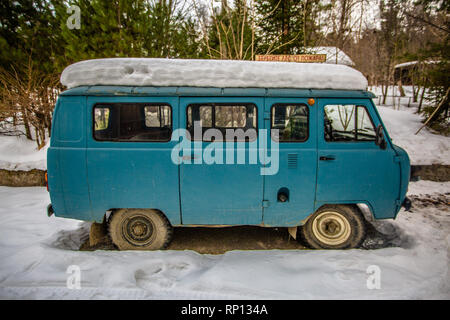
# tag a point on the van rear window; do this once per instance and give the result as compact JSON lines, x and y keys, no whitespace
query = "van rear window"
{"x":133,"y":122}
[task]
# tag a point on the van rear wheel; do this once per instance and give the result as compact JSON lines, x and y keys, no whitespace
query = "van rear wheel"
{"x":139,"y":229}
{"x":334,"y":227}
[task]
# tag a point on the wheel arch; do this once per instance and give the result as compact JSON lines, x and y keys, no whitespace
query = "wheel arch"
{"x":365,"y":207}
{"x":108,"y":213}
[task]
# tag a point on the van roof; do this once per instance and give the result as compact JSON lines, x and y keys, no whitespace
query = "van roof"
{"x":158,"y":72}
{"x":204,"y":91}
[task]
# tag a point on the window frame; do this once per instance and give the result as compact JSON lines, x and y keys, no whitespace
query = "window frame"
{"x":356,"y":130}
{"x":213,"y":118}
{"x":110,"y":106}
{"x":272,"y":108}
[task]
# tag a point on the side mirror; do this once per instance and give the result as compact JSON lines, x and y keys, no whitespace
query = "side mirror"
{"x":379,"y":139}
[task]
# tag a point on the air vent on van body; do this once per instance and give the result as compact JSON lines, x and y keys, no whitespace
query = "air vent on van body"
{"x":292,"y":160}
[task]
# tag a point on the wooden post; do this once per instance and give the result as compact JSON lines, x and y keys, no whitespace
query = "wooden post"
{"x":400,"y":88}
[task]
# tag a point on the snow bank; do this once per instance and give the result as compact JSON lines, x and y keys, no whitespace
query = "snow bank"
{"x":424,"y":187}
{"x":425,"y":147}
{"x":35,"y":252}
{"x":211,"y":73}
{"x":19,"y":153}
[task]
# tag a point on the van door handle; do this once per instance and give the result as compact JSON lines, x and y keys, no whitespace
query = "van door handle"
{"x":327,"y":158}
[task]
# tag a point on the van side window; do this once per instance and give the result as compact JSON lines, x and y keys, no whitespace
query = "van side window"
{"x":234,"y":122}
{"x":133,"y":122}
{"x":230,"y":117}
{"x":348,"y":123}
{"x":291,"y":120}
{"x":157,"y":116}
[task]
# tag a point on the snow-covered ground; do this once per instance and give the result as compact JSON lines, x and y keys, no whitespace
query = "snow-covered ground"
{"x":36,"y":251}
{"x":402,"y":122}
{"x":423,"y":148}
{"x":19,"y":153}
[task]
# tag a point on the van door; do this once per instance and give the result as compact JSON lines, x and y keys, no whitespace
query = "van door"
{"x":289,"y":193}
{"x":129,"y":150}
{"x":66,"y":158}
{"x":219,"y":184}
{"x":352,"y":169}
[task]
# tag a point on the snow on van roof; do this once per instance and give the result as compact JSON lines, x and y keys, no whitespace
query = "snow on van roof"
{"x":211,"y":73}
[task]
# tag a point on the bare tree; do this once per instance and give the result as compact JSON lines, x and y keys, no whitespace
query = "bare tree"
{"x":28,"y":98}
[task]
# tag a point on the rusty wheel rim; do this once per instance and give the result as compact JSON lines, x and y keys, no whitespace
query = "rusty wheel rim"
{"x":138,"y":230}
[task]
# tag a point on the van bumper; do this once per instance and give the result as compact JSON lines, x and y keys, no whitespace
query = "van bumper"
{"x":50,"y":211}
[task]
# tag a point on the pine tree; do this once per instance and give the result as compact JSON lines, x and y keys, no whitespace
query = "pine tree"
{"x":108,"y":28}
{"x":435,"y":53}
{"x":168,"y":32}
{"x":29,"y":31}
{"x":280,"y":26}
{"x":230,"y":34}
{"x":128,"y":28}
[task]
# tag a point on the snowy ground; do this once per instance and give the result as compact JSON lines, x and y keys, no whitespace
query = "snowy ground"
{"x":423,"y":148}
{"x":35,"y":252}
{"x":402,"y":122}
{"x":19,"y":153}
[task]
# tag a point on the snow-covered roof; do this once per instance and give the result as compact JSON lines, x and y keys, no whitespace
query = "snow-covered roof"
{"x":405,"y":64}
{"x":411,"y":63}
{"x":332,"y":53}
{"x":211,"y":73}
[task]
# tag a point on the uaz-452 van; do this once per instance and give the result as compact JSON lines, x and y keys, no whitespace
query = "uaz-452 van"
{"x":151,"y":144}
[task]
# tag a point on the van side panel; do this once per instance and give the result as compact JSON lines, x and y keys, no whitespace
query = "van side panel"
{"x":67,"y":159}
{"x":127,"y":174}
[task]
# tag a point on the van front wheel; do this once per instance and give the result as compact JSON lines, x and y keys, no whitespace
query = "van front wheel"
{"x":334,"y":227}
{"x":139,"y":229}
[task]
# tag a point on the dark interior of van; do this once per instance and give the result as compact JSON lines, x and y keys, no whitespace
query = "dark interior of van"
{"x":134,"y":122}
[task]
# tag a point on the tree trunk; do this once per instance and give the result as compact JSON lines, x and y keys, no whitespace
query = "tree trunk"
{"x":384,"y":91}
{"x":26,"y":123}
{"x":421,"y":100}
{"x":400,"y":88}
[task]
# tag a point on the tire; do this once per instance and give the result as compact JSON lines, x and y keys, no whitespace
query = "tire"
{"x":139,"y":229}
{"x":334,"y":227}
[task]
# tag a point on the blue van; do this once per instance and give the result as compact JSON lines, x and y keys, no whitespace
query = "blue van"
{"x":148,"y":158}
